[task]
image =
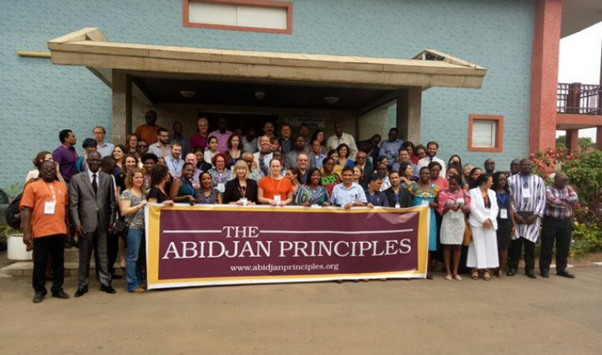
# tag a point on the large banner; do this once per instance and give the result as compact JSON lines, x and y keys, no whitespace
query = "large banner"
{"x":224,"y":245}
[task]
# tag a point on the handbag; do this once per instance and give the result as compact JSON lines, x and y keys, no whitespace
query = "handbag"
{"x":121,"y":228}
{"x":467,"y":234}
{"x":468,"y":229}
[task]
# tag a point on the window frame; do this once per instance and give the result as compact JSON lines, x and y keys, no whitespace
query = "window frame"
{"x":499,"y":134}
{"x":255,"y":3}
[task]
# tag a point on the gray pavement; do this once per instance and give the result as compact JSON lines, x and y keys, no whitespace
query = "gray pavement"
{"x":509,"y":316}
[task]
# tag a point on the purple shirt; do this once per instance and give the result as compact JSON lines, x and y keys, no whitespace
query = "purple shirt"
{"x":66,"y":157}
{"x":222,"y":140}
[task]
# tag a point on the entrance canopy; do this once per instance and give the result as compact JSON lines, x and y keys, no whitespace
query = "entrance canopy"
{"x":89,"y":47}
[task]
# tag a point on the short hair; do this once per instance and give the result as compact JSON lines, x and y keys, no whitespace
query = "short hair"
{"x":303,"y":124}
{"x":310,"y":172}
{"x":432,"y":143}
{"x":393,"y":129}
{"x":176,"y":144}
{"x":347,"y":168}
{"x":199,"y":149}
{"x":457,"y":178}
{"x":424,"y":168}
{"x":201,"y":177}
{"x":418,"y":147}
{"x":376,"y":176}
{"x":407,"y":144}
{"x":403,"y":149}
{"x":175,"y":123}
{"x":483,"y":179}
{"x":64,"y":134}
{"x":274,"y":139}
{"x":101,"y":127}
{"x":220,"y":155}
{"x":434,"y":164}
{"x":343,"y":145}
{"x":107,"y":160}
{"x":39,"y":159}
{"x":160,"y":130}
{"x":129,"y":180}
{"x":158,"y":174}
{"x":303,"y":153}
{"x":241,"y":146}
{"x":240,"y":165}
{"x":286,"y":125}
{"x":187,"y":165}
{"x":148,"y":156}
{"x":89,"y":142}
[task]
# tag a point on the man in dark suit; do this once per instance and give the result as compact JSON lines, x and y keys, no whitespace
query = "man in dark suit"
{"x":92,"y":210}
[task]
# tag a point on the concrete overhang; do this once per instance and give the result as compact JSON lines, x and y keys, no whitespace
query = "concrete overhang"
{"x":90,"y":48}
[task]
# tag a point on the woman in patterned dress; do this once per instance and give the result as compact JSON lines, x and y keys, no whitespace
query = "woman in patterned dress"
{"x":207,"y":194}
{"x":453,"y":202}
{"x":313,"y":193}
{"x":426,"y":193}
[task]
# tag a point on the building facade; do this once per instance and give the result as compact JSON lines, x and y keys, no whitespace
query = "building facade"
{"x":39,"y":98}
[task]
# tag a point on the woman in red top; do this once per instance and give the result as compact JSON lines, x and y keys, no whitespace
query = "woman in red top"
{"x":275,"y":189}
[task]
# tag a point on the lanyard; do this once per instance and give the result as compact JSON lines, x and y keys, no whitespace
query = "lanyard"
{"x":503,"y":198}
{"x":174,"y":164}
{"x":50,"y":190}
{"x":277,"y":188}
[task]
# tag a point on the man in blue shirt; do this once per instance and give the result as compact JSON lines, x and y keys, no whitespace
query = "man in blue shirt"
{"x":390,"y":148}
{"x":348,"y":194}
{"x":374,"y":196}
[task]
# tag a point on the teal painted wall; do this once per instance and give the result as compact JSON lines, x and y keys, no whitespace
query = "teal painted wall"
{"x":38,"y":99}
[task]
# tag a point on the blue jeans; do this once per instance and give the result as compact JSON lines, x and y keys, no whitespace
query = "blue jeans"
{"x":133,"y":268}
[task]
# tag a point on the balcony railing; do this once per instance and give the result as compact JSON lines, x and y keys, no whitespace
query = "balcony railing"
{"x":581,"y":99}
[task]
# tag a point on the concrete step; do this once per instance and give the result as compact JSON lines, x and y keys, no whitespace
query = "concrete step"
{"x":25,"y":268}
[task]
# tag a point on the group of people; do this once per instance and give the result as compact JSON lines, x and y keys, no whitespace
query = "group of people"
{"x":100,"y":196}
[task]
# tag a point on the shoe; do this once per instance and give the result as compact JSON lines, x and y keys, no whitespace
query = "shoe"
{"x":62,"y":295}
{"x":458,"y":278}
{"x":530,"y":274}
{"x":81,"y":291}
{"x":107,"y":289}
{"x":429,"y":276}
{"x":511,"y":272}
{"x":38,"y":297}
{"x":565,"y":274}
{"x":138,"y":290}
{"x":545,"y":274}
{"x":448,"y":277}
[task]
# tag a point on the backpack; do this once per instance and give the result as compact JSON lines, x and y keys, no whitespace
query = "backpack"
{"x":13,"y":217}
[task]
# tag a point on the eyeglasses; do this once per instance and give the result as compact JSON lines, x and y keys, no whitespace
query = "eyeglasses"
{"x":142,"y":145}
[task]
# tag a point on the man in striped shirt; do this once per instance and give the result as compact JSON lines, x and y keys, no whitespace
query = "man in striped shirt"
{"x":557,"y":226}
{"x":529,"y":197}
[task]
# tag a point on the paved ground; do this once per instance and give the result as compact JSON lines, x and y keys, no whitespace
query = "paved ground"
{"x":509,"y":316}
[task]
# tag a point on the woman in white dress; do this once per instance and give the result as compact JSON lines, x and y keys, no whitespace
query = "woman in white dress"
{"x":482,"y":252}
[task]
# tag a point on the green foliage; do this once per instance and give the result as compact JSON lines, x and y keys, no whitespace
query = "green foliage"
{"x":14,"y":190}
{"x":587,"y":238}
{"x":585,"y":172}
{"x":584,"y":142}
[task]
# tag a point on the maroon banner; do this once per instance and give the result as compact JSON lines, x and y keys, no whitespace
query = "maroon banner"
{"x":222,"y":245}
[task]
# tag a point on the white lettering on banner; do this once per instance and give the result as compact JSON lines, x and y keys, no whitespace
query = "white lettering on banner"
{"x":241,"y":232}
{"x":310,"y":249}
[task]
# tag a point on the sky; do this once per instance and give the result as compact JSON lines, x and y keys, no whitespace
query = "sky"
{"x":580,"y":56}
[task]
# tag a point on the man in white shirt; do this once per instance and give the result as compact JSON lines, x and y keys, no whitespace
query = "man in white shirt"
{"x":175,"y":163}
{"x":162,"y":147}
{"x":104,"y":148}
{"x":432,"y":148}
{"x":339,"y":138}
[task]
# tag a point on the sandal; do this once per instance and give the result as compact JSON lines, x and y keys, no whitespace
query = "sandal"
{"x":475,"y":274}
{"x":500,"y":274}
{"x":486,"y":276}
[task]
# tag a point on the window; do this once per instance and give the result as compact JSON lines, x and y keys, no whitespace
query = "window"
{"x":486,"y":133}
{"x":240,"y":15}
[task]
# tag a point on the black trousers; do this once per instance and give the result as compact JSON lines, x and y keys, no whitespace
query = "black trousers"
{"x":54,"y":246}
{"x":516,"y":248}
{"x":561,"y":231}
